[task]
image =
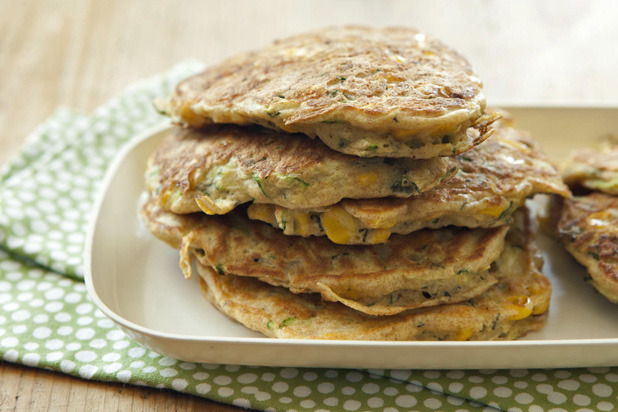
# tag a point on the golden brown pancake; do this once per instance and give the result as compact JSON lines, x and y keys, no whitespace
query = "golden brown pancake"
{"x":514,"y":306}
{"x":429,"y":268}
{"x":587,"y":226}
{"x":392,"y":92}
{"x":594,"y":168}
{"x":492,"y":181}
{"x":218,"y":168}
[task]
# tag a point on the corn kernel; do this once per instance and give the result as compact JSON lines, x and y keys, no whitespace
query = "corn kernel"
{"x":260,"y":211}
{"x":493,"y":211}
{"x":378,"y":236}
{"x":206,"y":205}
{"x":517,"y":145}
{"x":464,"y":334}
{"x":302,"y":223}
{"x":541,"y":308}
{"x":367,"y":178}
{"x":522,"y":305}
{"x":339,"y":225}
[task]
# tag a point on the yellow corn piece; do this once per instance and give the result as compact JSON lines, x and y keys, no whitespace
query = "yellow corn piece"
{"x":541,"y":308}
{"x":464,"y":334}
{"x":376,"y":236}
{"x":493,"y":211}
{"x":302,"y":223}
{"x":261,"y":211}
{"x":367,"y":178}
{"x":339,"y":225}
{"x":190,"y":117}
{"x":522,"y":305}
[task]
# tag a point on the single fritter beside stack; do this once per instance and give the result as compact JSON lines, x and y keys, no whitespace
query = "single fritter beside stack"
{"x":343,"y":184}
{"x":587,"y":224}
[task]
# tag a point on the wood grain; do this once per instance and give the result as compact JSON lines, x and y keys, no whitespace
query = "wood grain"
{"x":80,"y":53}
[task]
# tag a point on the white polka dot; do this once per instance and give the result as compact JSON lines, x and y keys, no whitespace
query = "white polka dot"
{"x":72,"y":297}
{"x":455,"y":387}
{"x":280,"y":387}
{"x":136,"y":352}
{"x":67,"y":366}
{"x":432,"y":403}
{"x":64,"y":330}
{"x":85,"y":333}
{"x":351,"y":405}
{"x":84,"y":308}
{"x":405,"y":401}
{"x":84,"y":320}
{"x":19,"y":329}
{"x":31,"y":346}
{"x":88,"y":371}
{"x":9,"y":342}
{"x":10,"y":355}
{"x":332,"y":401}
{"x":354,"y":377}
{"x":503,"y":392}
{"x":98,"y":343}
{"x":121,"y":344}
{"x":587,"y":378}
{"x":123,"y":375}
{"x":310,"y":376}
{"x":114,"y":335}
{"x":370,"y":388}
{"x":55,"y":293}
{"x":54,"y":356}
{"x":85,"y":356}
{"x":187,"y":366}
{"x":168,"y":372}
{"x":40,"y":318}
{"x":348,"y":390}
{"x":179,"y":384}
{"x":137,"y":364}
{"x":605,"y":406}
{"x":523,"y":398}
{"x":202,"y":388}
{"x":557,"y":398}
{"x":54,"y":306}
{"x":302,"y":391}
{"x":601,"y":389}
{"x":539,"y":377}
{"x":247,"y":378}
{"x":149,"y":369}
{"x":307,"y":404}
{"x":200,"y":376}
{"x":31,"y":359}
{"x":326,"y":387}
{"x":225,"y":392}
{"x":73,"y":346}
{"x":165,"y":361}
{"x":112,"y":367}
{"x":402,"y":375}
{"x":222,"y":380}
{"x":375,"y":402}
{"x":241,"y":402}
{"x":110,"y":357}
{"x":390,"y":391}
{"x":569,"y":385}
{"x":581,"y":400}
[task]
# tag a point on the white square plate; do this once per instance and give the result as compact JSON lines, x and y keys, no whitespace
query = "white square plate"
{"x":135,"y":279}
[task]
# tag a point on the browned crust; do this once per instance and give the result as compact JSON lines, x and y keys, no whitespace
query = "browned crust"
{"x":369,"y":79}
{"x":407,"y":272}
{"x":588,"y":228}
{"x":276,"y":312}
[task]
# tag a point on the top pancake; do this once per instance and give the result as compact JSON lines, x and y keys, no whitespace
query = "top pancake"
{"x":594,"y":168}
{"x":391,"y":92}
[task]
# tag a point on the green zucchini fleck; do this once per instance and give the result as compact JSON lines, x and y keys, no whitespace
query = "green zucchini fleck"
{"x":466,"y":159}
{"x":270,"y":324}
{"x":330,"y":121}
{"x":372,"y":148}
{"x":420,"y":324}
{"x":219,"y":269}
{"x":281,"y":96}
{"x":460,"y":271}
{"x":594,"y":255}
{"x":448,"y":174}
{"x":287,"y":322}
{"x":258,"y":180}
{"x":297,"y":179}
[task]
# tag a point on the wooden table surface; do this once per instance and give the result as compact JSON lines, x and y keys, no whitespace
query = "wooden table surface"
{"x":79,"y":53}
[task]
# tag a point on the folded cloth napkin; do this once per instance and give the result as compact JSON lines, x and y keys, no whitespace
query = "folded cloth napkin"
{"x":48,"y":321}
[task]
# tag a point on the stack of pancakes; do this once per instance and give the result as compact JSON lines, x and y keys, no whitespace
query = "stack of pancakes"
{"x":343,"y":184}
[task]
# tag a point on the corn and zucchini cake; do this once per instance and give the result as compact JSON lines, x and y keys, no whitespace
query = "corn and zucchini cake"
{"x":491,"y":181}
{"x":514,"y":306}
{"x":220,"y":167}
{"x":369,"y":92}
{"x":432,"y":267}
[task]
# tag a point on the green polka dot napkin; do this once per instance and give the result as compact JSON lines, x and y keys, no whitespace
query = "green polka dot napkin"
{"x":47,"y":319}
